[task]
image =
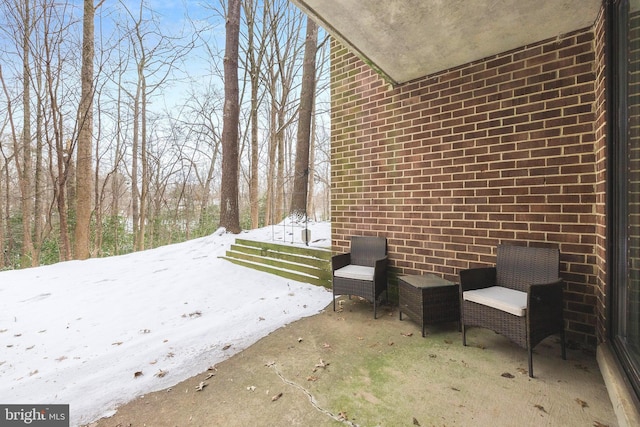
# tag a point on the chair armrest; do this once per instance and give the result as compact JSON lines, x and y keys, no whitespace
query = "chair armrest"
{"x":380,"y":266}
{"x":339,"y":261}
{"x":545,"y":300}
{"x":477,"y":278}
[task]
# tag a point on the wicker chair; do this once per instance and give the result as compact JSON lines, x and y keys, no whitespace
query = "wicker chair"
{"x":525,"y":317}
{"x":361,"y":272}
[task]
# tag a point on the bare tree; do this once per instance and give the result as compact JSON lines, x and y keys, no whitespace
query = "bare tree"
{"x":84,"y":174}
{"x":20,"y":28}
{"x":256,"y":49}
{"x":305,"y":115}
{"x":156,"y":55}
{"x":282,"y":64}
{"x":229,"y":212}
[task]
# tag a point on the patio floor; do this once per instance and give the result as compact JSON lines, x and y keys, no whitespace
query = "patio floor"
{"x":347,"y":368}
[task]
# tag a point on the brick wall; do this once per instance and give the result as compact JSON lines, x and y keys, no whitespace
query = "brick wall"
{"x":600,"y":129}
{"x":633,"y":181}
{"x":500,"y":150}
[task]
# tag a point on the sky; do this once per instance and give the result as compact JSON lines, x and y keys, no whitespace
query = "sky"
{"x":95,"y":334}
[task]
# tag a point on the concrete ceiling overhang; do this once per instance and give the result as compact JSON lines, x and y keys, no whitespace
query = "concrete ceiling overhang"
{"x":408,"y":39}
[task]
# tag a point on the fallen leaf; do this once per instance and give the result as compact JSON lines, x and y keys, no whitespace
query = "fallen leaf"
{"x":390,"y":343}
{"x":582,"y":367}
{"x":160,"y":373}
{"x":407,"y":334}
{"x":32,"y":373}
{"x":322,"y":364}
{"x":201,"y":386}
{"x":415,"y":422}
{"x":117,"y":343}
{"x":276,"y":397}
{"x":312,"y":378}
{"x":137,"y":374}
{"x":209,"y":376}
{"x":448,"y":342}
{"x":226,"y":347}
{"x":30,"y":348}
{"x":325,"y":345}
{"x":251,"y":388}
{"x":270,"y":364}
{"x":507,"y":375}
{"x":61,"y":358}
{"x":540,"y":407}
{"x":260,"y":319}
{"x":342,"y":415}
{"x":582,"y":403}
{"x":145,"y":331}
{"x":521,"y":371}
{"x":455,"y":389}
{"x":433,"y":356}
{"x":212,"y":368}
{"x":598,"y":424}
{"x":299,"y":339}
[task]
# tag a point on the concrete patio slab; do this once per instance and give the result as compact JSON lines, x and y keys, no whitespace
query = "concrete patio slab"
{"x":347,"y":368}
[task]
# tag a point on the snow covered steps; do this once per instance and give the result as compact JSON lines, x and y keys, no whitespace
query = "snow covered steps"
{"x":304,"y":264}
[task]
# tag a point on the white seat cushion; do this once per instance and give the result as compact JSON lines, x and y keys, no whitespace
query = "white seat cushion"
{"x":357,"y":272}
{"x":504,"y":299}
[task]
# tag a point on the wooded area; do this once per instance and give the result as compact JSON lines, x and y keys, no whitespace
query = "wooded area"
{"x":111,"y":124}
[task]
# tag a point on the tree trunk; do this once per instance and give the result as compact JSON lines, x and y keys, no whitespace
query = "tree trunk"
{"x":279,"y":190}
{"x":135,"y":191}
{"x":301,"y":173}
{"x":145,"y":167}
{"x":271,"y":170}
{"x":229,"y":213}
{"x":312,"y":161}
{"x":28,"y":256}
{"x":39,"y":178}
{"x":84,"y":177}
{"x":253,"y":175}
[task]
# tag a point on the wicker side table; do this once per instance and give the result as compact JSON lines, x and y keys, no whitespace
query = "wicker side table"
{"x":428,"y":298}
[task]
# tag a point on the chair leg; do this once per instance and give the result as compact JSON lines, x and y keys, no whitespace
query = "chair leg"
{"x":464,"y":333}
{"x":530,"y":355}
{"x":563,"y":346}
{"x":334,"y":302}
{"x":375,"y":316}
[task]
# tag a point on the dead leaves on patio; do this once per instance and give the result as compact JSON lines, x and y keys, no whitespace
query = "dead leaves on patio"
{"x":582,"y":403}
{"x":322,"y":365}
{"x":521,"y":371}
{"x":541,"y":408}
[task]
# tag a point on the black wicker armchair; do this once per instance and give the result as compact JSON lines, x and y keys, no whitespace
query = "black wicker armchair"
{"x":363,"y":271}
{"x":520,"y":298}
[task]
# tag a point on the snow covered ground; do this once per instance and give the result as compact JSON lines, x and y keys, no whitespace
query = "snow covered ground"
{"x":97,"y":333}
